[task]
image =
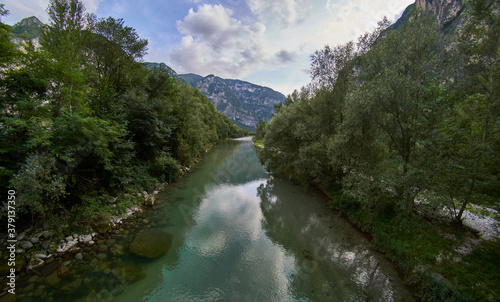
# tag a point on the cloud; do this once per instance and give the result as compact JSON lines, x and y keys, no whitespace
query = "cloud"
{"x":285,"y":56}
{"x":287,"y":11}
{"x":215,"y":42}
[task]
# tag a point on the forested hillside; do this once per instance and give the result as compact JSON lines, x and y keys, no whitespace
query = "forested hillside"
{"x":402,"y":130}
{"x":84,"y":124}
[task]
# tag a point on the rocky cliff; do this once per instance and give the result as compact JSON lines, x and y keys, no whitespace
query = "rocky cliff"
{"x":242,"y":102}
{"x":446,"y":11}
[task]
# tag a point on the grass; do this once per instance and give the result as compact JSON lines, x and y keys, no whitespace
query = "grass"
{"x":442,"y":260}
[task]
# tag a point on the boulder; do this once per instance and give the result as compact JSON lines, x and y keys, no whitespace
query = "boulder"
{"x":150,"y":243}
{"x":116,"y":250}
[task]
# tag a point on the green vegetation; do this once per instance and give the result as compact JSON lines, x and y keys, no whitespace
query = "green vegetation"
{"x":85,"y":125}
{"x":398,"y":127}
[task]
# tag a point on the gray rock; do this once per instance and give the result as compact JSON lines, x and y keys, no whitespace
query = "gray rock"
{"x":34,"y":240}
{"x":21,"y":236}
{"x":79,"y":256}
{"x":26,"y":245}
{"x":69,"y":238}
{"x":86,"y":238}
{"x":41,"y":256}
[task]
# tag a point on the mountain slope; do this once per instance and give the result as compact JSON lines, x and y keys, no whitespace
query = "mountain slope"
{"x":242,"y":102}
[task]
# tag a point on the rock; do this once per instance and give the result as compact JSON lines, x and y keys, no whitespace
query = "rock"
{"x":49,"y":268}
{"x":72,"y":287}
{"x":20,"y":251}
{"x":101,"y":256}
{"x":8,"y":298}
{"x":102,"y":248}
{"x":86,"y":238}
{"x":34,"y":240}
{"x":26,"y":245}
{"x":150,"y":243}
{"x":41,"y":256}
{"x":63,"y":271}
{"x":69,"y":238}
{"x":79,"y":256}
{"x":102,"y":227}
{"x":116,"y":250}
{"x":53,"y":280}
{"x":45,"y":245}
{"x":87,"y":256}
{"x":91,"y":242}
{"x":110,"y":242}
{"x":47,"y":234}
{"x":21,"y":236}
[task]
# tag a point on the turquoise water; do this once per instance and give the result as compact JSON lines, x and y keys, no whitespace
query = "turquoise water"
{"x":238,"y":233}
{"x":242,"y":235}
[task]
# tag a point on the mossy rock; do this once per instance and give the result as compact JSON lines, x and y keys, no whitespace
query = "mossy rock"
{"x":102,"y":227}
{"x":150,"y":243}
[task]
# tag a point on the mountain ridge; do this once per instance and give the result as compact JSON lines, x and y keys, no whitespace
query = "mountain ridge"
{"x":243,"y":102}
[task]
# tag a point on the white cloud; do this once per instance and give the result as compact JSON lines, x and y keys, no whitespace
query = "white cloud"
{"x":215,"y":42}
{"x":286,"y":11}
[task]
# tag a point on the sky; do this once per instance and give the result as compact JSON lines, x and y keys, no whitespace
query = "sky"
{"x":266,"y":42}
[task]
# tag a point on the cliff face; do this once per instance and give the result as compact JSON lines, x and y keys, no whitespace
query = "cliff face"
{"x":446,"y":11}
{"x":242,"y":102}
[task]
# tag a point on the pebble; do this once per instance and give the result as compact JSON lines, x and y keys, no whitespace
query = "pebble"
{"x":21,"y":236}
{"x":26,"y":245}
{"x":79,"y":256}
{"x":41,"y":256}
{"x":34,"y":240}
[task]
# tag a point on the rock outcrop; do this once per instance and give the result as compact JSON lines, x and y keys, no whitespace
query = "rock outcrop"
{"x":446,"y":11}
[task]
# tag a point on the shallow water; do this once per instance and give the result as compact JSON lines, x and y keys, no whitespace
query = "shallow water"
{"x":239,"y":234}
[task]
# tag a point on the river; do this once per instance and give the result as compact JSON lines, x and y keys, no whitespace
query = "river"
{"x":238,"y":234}
{"x":243,"y":235}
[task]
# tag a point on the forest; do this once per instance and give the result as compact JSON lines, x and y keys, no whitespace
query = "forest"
{"x":85,"y":125}
{"x":401,"y":129}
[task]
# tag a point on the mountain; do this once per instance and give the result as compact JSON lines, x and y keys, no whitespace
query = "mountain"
{"x":27,"y":29}
{"x":242,"y":102}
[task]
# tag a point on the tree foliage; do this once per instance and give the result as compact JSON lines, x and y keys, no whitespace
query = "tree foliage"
{"x":399,"y":117}
{"x":83,"y":120}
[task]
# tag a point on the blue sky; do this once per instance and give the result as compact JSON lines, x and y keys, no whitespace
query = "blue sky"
{"x":261,"y":41}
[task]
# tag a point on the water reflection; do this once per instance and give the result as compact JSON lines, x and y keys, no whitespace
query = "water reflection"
{"x":240,"y":235}
{"x":328,"y":251}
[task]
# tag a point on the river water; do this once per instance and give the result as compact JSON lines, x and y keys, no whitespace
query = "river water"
{"x":238,"y":234}
{"x":243,"y":235}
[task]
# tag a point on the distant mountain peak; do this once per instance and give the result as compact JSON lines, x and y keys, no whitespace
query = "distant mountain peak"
{"x":30,"y":21}
{"x":242,"y":102}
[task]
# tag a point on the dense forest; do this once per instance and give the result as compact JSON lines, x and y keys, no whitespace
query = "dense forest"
{"x":402,"y":130}
{"x":85,"y":125}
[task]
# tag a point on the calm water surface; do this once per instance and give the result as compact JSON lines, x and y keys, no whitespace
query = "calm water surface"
{"x":241,"y":235}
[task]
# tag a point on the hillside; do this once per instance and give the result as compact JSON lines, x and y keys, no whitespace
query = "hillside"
{"x":242,"y":102}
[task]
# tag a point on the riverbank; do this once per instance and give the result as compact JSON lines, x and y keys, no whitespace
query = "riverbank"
{"x":44,"y":246}
{"x":439,"y":259}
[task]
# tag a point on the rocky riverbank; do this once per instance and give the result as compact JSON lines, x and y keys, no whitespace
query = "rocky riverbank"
{"x":88,"y":267}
